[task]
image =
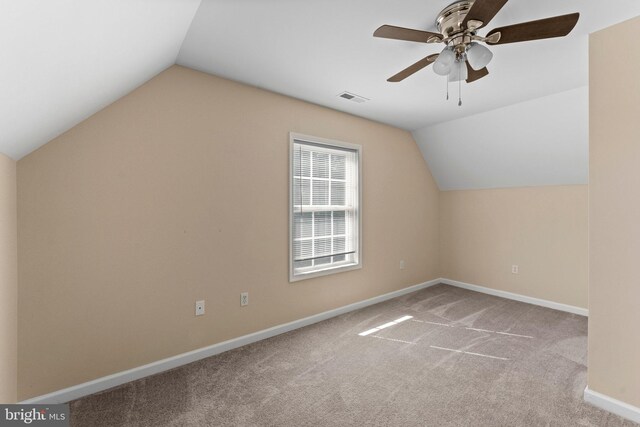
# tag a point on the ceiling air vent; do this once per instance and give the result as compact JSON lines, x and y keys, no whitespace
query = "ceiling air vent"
{"x":353,"y":97}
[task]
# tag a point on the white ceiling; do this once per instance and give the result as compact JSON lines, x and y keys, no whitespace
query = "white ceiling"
{"x":544,"y":141}
{"x":315,"y":49}
{"x":63,"y":60}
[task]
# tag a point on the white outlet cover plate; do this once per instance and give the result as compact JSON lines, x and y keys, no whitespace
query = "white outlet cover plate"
{"x":199,"y":308}
{"x":244,"y":298}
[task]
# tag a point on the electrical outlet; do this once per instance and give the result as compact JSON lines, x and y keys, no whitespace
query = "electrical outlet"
{"x":199,"y":308}
{"x":244,"y":299}
{"x":402,"y":265}
{"x":514,"y":269}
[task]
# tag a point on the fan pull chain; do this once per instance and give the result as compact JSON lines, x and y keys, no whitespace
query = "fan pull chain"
{"x":447,"y":88}
{"x":460,"y":93}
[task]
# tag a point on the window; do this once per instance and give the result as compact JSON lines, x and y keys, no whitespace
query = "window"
{"x":324,"y":207}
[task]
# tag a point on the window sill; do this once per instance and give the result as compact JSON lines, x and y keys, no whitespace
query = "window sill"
{"x":325,"y":272}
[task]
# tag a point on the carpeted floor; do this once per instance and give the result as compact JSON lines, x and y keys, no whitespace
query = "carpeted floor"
{"x":462,"y":359}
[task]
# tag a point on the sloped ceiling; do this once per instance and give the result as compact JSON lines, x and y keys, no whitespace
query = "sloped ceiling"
{"x":63,"y":60}
{"x":544,"y":141}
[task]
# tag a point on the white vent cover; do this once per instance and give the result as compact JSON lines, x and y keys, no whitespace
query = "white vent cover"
{"x":353,"y":97}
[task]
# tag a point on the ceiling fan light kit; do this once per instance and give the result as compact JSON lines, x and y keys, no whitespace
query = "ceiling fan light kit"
{"x":464,"y":57}
{"x":445,"y":61}
{"x":458,"y":72}
{"x":478,"y":56}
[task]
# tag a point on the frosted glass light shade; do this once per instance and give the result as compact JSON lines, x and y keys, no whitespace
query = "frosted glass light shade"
{"x":441,"y":69}
{"x":446,"y":57}
{"x":445,"y":60}
{"x":458,"y":71}
{"x":479,"y":56}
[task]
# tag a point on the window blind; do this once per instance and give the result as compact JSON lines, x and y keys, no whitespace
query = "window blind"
{"x":324,"y":206}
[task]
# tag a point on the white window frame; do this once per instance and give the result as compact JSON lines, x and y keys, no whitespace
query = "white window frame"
{"x":334,"y":268}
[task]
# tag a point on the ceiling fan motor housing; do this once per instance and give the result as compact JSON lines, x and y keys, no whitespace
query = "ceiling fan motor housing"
{"x":450,"y":23}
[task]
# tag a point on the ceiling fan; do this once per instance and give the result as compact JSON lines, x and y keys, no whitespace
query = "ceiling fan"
{"x":463,"y":57}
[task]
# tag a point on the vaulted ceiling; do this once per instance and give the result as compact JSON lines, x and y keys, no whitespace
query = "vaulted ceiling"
{"x":63,"y":60}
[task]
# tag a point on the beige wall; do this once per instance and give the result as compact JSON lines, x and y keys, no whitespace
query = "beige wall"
{"x":543,"y":230}
{"x":8,"y":281}
{"x":179,"y":192}
{"x":614,"y":209}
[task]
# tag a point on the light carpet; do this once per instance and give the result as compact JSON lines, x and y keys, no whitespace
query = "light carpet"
{"x":461,"y":359}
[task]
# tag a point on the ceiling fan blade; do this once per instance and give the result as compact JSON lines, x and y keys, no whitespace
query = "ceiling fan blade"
{"x":399,"y":33}
{"x":473,"y":75}
{"x":481,"y":12}
{"x":558,"y":26}
{"x":413,"y":68}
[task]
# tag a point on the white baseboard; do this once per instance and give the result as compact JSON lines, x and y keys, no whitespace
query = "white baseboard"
{"x":518,"y":297}
{"x":612,"y":405}
{"x":104,"y":383}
